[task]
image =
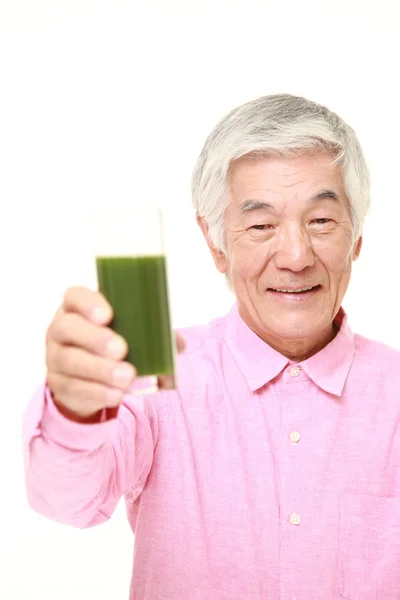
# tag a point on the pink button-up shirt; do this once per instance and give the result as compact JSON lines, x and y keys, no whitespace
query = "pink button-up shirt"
{"x":259,"y":479}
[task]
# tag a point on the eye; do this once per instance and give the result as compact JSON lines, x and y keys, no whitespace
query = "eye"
{"x":261,"y":227}
{"x":322,"y":221}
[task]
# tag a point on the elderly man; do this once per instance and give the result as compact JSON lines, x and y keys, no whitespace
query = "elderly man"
{"x":273,"y":471}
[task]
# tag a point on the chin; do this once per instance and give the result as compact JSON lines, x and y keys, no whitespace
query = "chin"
{"x":295,"y":328}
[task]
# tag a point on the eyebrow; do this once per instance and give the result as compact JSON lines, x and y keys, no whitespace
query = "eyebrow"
{"x":249,"y":205}
{"x":325,"y":195}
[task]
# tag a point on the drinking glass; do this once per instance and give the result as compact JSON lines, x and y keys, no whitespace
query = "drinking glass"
{"x":131,"y":269}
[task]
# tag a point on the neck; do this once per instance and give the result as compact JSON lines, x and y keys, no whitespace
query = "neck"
{"x":298,"y":349}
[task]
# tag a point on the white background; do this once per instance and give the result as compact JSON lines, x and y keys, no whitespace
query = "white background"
{"x":107,"y":102}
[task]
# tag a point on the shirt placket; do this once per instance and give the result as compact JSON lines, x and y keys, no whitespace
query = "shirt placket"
{"x":292,"y":395}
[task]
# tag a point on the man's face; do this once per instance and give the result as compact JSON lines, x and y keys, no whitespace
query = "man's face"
{"x":288,"y":227}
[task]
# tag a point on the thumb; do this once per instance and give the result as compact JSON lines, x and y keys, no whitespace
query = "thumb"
{"x":180,"y":343}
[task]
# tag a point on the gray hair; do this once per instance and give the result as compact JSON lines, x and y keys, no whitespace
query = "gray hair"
{"x":283,"y":125}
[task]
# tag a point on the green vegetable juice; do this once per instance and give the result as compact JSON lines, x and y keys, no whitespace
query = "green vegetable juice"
{"x":136,"y":288}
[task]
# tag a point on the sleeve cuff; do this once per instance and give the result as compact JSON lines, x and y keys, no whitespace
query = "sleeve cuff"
{"x":76,"y":436}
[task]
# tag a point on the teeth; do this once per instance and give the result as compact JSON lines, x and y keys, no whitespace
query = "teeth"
{"x":295,"y":291}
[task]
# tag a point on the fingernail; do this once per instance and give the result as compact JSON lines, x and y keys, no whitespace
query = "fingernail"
{"x":115,"y":348}
{"x":114,"y":397}
{"x":99,"y":314}
{"x":123,"y":375}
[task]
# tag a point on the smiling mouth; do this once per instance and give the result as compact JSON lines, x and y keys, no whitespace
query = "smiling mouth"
{"x":300,"y":290}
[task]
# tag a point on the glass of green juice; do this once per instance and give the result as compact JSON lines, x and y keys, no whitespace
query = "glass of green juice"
{"x":131,"y":269}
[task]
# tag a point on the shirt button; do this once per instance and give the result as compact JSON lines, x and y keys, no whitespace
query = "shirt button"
{"x":294,"y":372}
{"x":294,"y":437}
{"x":295,"y":519}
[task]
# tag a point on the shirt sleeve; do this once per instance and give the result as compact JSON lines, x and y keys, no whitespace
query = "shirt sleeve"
{"x":76,"y":473}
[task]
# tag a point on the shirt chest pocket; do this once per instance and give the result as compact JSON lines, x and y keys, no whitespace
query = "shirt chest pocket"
{"x":369,"y":547}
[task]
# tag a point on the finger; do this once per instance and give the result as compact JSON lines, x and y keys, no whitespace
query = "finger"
{"x":89,"y":304}
{"x":78,"y":363}
{"x":180,"y":343}
{"x":75,"y":330}
{"x":82,"y":397}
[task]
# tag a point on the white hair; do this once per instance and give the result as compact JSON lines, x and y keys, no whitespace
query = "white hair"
{"x":283,"y":125}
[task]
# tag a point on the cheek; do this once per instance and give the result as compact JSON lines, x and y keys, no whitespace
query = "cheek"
{"x":336,"y":259}
{"x":247,"y":265}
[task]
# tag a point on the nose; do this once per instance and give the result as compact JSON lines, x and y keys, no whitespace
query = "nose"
{"x":294,"y":250}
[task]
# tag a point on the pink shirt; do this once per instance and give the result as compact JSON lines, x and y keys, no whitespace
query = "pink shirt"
{"x":259,"y":479}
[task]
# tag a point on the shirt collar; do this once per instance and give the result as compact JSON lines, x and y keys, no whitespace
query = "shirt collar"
{"x":330,"y":367}
{"x":260,"y":364}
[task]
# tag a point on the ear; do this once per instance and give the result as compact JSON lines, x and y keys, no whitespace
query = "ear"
{"x":357,"y":248}
{"x":218,"y":256}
